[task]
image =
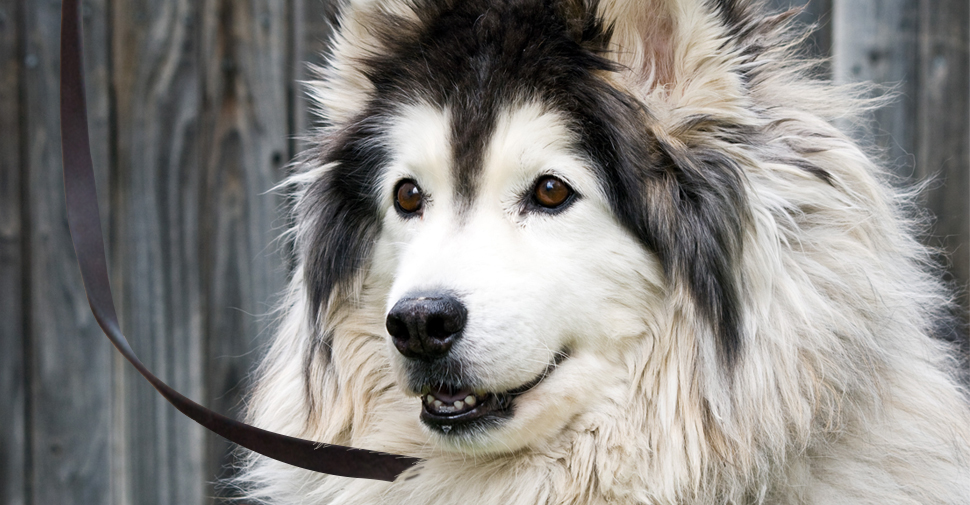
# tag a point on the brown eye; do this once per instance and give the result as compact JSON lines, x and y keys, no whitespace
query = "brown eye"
{"x":551,"y":192}
{"x":408,"y":197}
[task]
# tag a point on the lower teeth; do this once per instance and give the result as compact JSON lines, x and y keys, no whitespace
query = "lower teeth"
{"x":440,"y":407}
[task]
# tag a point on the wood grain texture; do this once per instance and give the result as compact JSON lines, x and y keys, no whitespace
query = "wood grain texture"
{"x":245,"y":132}
{"x":312,"y":30}
{"x":70,"y":391}
{"x":156,"y":201}
{"x":943,"y":130}
{"x":309,"y":38}
{"x":201,"y":115}
{"x":12,"y":371}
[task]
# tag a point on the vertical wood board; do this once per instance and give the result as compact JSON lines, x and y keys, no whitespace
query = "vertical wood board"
{"x":70,"y":391}
{"x":314,"y":24}
{"x":156,"y":188}
{"x":311,"y":22}
{"x":12,"y":371}
{"x":245,"y":137}
{"x":943,"y":127}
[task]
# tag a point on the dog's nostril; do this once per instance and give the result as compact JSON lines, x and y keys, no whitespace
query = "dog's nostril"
{"x":426,"y":326}
{"x":436,"y":329}
{"x":396,"y":327}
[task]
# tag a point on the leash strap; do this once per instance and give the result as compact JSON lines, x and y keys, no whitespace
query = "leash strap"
{"x":85,"y":225}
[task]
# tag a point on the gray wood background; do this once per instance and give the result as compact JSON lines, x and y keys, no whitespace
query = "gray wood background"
{"x":194,"y":109}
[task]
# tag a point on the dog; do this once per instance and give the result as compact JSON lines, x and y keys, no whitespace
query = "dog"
{"x":603,"y":251}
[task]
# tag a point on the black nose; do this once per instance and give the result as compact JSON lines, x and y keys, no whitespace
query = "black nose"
{"x":425,"y":327}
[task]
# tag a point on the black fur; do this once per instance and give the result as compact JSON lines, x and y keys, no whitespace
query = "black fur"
{"x":734,"y":13}
{"x":685,"y":203}
{"x":342,"y":207}
{"x":474,"y":56}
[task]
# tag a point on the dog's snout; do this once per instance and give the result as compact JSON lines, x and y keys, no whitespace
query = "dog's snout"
{"x":425,"y":327}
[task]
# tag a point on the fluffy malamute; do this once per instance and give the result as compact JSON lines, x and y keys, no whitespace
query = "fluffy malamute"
{"x":613,"y":251}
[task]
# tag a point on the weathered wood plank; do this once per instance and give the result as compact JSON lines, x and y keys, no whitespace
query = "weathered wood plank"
{"x":943,"y":129}
{"x":245,"y":133}
{"x":70,"y":391}
{"x":312,"y":31}
{"x":876,"y":41}
{"x":311,"y":28}
{"x":156,"y":191}
{"x":12,"y":372}
{"x":204,"y":108}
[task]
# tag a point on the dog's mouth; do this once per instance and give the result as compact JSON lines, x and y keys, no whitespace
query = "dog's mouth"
{"x":454,"y":410}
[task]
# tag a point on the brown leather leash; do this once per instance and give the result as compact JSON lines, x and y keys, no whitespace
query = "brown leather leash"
{"x":85,"y":224}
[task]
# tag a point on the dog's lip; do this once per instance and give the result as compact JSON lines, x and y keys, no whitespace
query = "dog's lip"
{"x":486,"y":403}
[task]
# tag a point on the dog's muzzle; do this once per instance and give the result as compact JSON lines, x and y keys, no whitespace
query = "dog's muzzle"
{"x":426,"y":326}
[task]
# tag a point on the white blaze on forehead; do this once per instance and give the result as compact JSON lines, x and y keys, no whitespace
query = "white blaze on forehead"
{"x":527,"y":141}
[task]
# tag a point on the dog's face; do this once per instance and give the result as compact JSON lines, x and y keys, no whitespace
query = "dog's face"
{"x":517,"y":212}
{"x":499,"y":292}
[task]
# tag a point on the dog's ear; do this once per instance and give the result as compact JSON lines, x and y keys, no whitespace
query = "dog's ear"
{"x":642,"y":35}
{"x":697,"y":214}
{"x":340,"y":89}
{"x":694,"y":215}
{"x":681,"y":75}
{"x":661,"y":44}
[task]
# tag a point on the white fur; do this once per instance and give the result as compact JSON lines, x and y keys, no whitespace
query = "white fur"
{"x":532,"y":284}
{"x":840,"y":394}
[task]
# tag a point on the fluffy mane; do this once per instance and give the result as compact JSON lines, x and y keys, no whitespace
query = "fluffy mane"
{"x":789,"y":356}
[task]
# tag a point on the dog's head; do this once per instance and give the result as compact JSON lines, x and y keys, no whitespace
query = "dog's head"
{"x":528,"y":188}
{"x":506,"y":270}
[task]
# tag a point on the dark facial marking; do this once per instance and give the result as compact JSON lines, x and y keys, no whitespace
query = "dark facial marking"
{"x":343,"y":210}
{"x":686,"y":204}
{"x":706,"y":191}
{"x":475,"y":56}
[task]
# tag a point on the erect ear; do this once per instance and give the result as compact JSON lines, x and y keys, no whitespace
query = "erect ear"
{"x":642,"y":37}
{"x":341,"y":88}
{"x":666,"y":44}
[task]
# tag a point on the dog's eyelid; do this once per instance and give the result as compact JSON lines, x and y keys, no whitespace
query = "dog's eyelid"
{"x":409,"y":198}
{"x":550,"y":193}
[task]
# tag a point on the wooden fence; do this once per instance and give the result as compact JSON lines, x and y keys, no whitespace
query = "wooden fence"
{"x":194,"y":109}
